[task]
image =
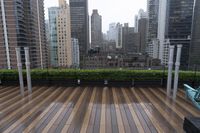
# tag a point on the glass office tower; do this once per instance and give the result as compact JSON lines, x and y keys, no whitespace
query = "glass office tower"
{"x":195,"y":42}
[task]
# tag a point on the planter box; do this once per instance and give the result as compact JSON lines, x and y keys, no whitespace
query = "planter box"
{"x":109,"y":83}
{"x":50,"y":82}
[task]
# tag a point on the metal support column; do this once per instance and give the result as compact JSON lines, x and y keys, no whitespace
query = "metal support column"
{"x":176,"y":76}
{"x":170,"y":67}
{"x":28,"y":74}
{"x":19,"y":64}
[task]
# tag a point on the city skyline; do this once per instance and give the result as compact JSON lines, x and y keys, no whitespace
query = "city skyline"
{"x":128,"y":7}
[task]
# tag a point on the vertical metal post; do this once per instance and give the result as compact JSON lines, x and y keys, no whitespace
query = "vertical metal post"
{"x":26,"y":49}
{"x":5,"y":33}
{"x":170,"y":67}
{"x":176,"y":76}
{"x":19,"y":64}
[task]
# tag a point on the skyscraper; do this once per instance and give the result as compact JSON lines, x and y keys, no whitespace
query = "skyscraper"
{"x":130,"y":39}
{"x":22,"y":25}
{"x":60,"y":35}
{"x":96,"y":29}
{"x":142,"y":30}
{"x":116,"y":34}
{"x":175,"y":24}
{"x":152,"y":32}
{"x":141,"y":14}
{"x":163,"y":4}
{"x":112,"y":31}
{"x":195,"y":42}
{"x":48,"y":40}
{"x":75,"y":53}
{"x":180,"y":27}
{"x":80,"y":24}
{"x":53,"y":48}
{"x":64,"y":35}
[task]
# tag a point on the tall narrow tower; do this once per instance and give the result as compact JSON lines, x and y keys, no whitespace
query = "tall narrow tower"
{"x":152,"y":32}
{"x":174,"y":27}
{"x":64,"y":35}
{"x":60,"y":35}
{"x":195,"y":43}
{"x":96,"y":29}
{"x":80,"y":24}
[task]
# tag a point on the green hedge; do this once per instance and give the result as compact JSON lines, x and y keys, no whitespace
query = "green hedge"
{"x":94,"y":75}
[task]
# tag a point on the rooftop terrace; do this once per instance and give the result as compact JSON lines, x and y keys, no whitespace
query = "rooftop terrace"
{"x":93,"y":109}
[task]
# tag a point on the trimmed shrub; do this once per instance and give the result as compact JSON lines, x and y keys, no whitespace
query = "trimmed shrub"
{"x":95,"y":75}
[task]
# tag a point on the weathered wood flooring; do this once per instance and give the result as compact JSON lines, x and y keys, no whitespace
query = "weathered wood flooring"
{"x":92,"y":110}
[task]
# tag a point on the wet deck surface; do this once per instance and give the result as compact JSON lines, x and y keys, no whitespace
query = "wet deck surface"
{"x":93,"y":110}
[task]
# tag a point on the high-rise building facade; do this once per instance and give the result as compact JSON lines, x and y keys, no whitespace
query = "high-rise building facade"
{"x":130,"y":39}
{"x":48,"y":40}
{"x":117,"y":35}
{"x":141,"y":14}
{"x":53,"y":47}
{"x":195,"y":42}
{"x":64,"y":35}
{"x":22,"y":24}
{"x":152,"y":32}
{"x":75,"y":53}
{"x":179,"y":26}
{"x":80,"y":24}
{"x":96,"y":29}
{"x":142,"y":30}
{"x":60,"y":35}
{"x":175,"y":24}
{"x":112,"y":31}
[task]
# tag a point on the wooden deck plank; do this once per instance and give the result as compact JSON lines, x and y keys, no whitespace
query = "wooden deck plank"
{"x":103,"y":112}
{"x":23,"y":101}
{"x":130,"y":125}
{"x":88,"y":113}
{"x":92,"y":109}
{"x":55,"y":106}
{"x":135,"y":105}
{"x":33,"y":113}
{"x":6,"y":88}
{"x":8,"y":102}
{"x":52,"y":124}
{"x":133,"y":113}
{"x":62,"y":119}
{"x":77,"y":122}
{"x":108,"y":112}
{"x":156,"y":112}
{"x":75,"y":109}
{"x":113,"y":113}
{"x":152,"y":123}
{"x":10,"y":95}
{"x":169,"y":115}
{"x":120,"y":123}
{"x":91,"y":124}
{"x":8,"y":91}
{"x":96,"y":126}
{"x":185,"y":105}
{"x":182,"y":112}
{"x":14,"y":116}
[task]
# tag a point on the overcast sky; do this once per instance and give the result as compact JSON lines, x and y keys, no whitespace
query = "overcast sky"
{"x":111,"y":10}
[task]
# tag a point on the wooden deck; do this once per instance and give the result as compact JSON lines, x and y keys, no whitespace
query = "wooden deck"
{"x":92,"y":110}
